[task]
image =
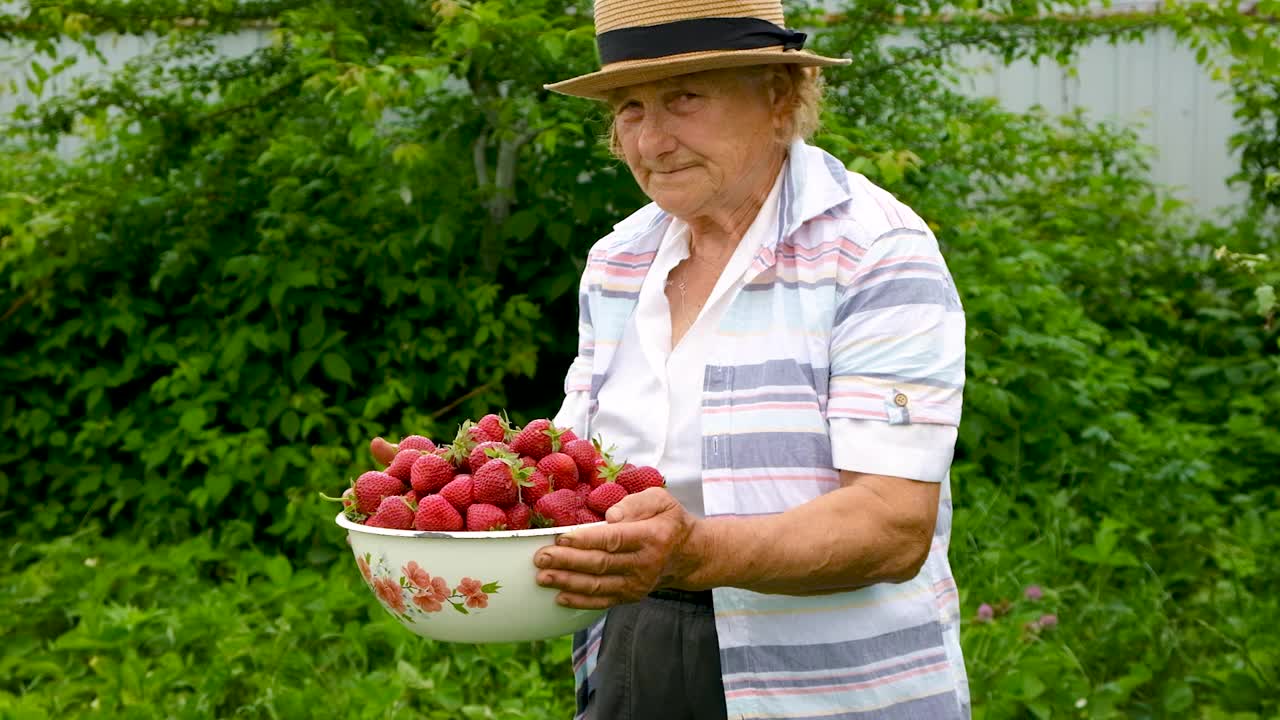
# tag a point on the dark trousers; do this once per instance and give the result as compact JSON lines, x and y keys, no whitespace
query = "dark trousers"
{"x":659,"y":660}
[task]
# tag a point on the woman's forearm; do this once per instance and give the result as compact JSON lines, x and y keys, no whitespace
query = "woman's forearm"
{"x":875,"y":529}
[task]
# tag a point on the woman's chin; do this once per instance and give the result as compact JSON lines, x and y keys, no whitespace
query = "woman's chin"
{"x":680,"y":204}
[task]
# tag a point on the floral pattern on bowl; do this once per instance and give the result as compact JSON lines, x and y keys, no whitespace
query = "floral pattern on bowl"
{"x":413,"y":593}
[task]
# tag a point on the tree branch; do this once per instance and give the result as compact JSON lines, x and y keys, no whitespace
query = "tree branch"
{"x":16,"y":305}
{"x":251,"y":103}
{"x":487,"y":386}
{"x":480,"y":160}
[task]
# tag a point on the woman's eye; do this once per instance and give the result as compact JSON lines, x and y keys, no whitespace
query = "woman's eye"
{"x":686,"y":101}
{"x":628,"y":109}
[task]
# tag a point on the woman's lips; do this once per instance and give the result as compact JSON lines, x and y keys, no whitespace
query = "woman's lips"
{"x":669,"y":173}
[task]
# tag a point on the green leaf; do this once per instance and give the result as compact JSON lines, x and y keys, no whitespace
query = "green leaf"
{"x":312,"y":333}
{"x":336,"y":367}
{"x":408,"y":154}
{"x":278,"y":569}
{"x":522,"y":224}
{"x":289,"y":425}
{"x":553,"y":44}
{"x":193,"y":419}
{"x":1178,"y":698}
{"x":302,"y":363}
{"x":1087,"y":553}
{"x":1266,"y":297}
{"x":1032,"y":686}
{"x":410,"y":676}
{"x":218,"y":486}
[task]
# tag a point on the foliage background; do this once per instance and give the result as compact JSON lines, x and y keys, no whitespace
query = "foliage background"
{"x":375,"y":226}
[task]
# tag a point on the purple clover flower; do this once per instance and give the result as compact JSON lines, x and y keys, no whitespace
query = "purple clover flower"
{"x":985,"y":613}
{"x":1033,"y":593}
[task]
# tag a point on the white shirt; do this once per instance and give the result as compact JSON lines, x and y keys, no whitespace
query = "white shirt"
{"x":651,"y":401}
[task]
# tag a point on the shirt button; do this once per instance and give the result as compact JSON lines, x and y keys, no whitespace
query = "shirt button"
{"x":900,"y":400}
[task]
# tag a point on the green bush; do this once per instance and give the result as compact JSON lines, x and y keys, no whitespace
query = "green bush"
{"x":213,"y":627}
{"x":375,"y":225}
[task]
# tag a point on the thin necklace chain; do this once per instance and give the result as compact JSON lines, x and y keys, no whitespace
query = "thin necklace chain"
{"x":686,"y":315}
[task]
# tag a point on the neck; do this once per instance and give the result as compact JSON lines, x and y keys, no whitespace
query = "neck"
{"x":717,"y":233}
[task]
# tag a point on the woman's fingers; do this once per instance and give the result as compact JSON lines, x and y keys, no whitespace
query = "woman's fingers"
{"x":588,"y":602}
{"x":383,"y":451}
{"x":613,"y":538}
{"x":584,"y":584}
{"x":593,"y":562}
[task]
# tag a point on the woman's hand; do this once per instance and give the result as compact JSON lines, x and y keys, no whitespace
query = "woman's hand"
{"x":647,"y":544}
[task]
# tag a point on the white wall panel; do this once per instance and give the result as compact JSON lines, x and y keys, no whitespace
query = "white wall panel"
{"x":1155,"y":86}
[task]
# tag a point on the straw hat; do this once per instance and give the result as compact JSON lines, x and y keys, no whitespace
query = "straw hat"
{"x":646,"y":40}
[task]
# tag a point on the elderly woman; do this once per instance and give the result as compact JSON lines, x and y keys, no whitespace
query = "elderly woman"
{"x":782,"y":339}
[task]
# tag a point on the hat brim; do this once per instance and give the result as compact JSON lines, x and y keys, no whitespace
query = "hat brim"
{"x":597,"y":85}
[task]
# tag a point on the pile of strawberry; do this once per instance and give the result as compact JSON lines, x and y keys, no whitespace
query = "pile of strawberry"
{"x":494,"y":476}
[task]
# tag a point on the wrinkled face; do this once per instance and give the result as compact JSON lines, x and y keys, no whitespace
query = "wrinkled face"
{"x":699,"y":144}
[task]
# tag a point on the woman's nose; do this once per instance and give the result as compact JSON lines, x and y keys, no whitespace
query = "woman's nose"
{"x":655,"y":138}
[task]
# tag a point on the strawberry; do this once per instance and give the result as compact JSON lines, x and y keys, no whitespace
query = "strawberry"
{"x":436,"y":513}
{"x":567,"y":436}
{"x":493,"y":427}
{"x":394,"y":512}
{"x":463,"y":443}
{"x":480,"y":455}
{"x":519,"y":516}
{"x":560,"y":469}
{"x":586,"y":515}
{"x":538,"y":439}
{"x":430,"y":473}
{"x":383,"y":451}
{"x":585,"y":456}
{"x":417,"y":442}
{"x":411,"y":496}
{"x":403,"y":462}
{"x":482,"y":517}
{"x":583,"y":489}
{"x":538,"y":486}
{"x":458,"y":492}
{"x":372,"y":487}
{"x":597,"y":478}
{"x":526,"y":461}
{"x":560,"y":508}
{"x":606,"y":496}
{"x":636,"y":479}
{"x":497,"y":482}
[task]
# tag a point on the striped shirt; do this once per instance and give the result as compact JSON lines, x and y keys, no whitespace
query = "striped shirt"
{"x":849,"y":312}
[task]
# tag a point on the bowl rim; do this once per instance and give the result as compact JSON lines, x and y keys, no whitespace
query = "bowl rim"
{"x":345,"y":522}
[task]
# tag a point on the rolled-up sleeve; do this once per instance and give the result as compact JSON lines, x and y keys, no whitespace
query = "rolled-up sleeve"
{"x":897,"y":361}
{"x":914,"y":452}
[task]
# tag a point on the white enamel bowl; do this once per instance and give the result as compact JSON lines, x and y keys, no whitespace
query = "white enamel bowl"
{"x":468,"y":587}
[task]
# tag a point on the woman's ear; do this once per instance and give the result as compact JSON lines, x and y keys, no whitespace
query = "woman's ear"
{"x":782,"y":100}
